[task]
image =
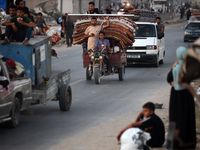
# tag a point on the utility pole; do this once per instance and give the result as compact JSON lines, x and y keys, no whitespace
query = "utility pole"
{"x":80,"y":1}
{"x":61,"y":6}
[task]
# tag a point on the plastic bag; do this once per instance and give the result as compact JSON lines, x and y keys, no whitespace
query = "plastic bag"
{"x":134,"y":139}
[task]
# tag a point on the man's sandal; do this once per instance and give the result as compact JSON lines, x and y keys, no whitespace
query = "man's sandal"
{"x":5,"y":41}
{"x":26,"y":42}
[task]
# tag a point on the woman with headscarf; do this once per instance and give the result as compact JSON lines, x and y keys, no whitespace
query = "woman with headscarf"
{"x":181,"y":108}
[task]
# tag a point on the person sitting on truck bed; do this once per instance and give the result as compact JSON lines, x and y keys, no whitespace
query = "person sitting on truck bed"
{"x":21,"y":28}
{"x":160,"y":28}
{"x":12,"y":14}
{"x":104,"y":45}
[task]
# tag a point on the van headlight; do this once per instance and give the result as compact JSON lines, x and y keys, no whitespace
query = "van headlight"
{"x":100,"y":57}
{"x":187,"y":33}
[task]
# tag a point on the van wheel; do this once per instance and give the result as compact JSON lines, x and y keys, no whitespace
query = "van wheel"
{"x":162,"y":61}
{"x":157,"y":62}
{"x":14,"y":114}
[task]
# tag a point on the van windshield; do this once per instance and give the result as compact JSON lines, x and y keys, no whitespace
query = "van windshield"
{"x":145,"y":30}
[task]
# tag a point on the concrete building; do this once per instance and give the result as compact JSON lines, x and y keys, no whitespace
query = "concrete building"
{"x":65,"y":6}
{"x":62,"y":6}
{"x":48,"y":5}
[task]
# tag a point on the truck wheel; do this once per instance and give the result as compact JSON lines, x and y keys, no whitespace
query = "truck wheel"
{"x":88,"y":74}
{"x":65,"y":97}
{"x":96,"y":75}
{"x":121,"y":72}
{"x":14,"y":114}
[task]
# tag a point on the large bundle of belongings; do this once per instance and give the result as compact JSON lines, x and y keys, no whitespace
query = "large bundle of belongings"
{"x":196,"y":12}
{"x":121,"y":29}
{"x":144,"y":14}
{"x":55,"y":36}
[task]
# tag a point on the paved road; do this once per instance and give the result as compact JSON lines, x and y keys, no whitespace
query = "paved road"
{"x":92,"y":104}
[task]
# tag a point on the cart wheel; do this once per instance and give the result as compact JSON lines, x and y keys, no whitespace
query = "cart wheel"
{"x":121,"y":72}
{"x":65,"y":97}
{"x":88,"y":74}
{"x":96,"y":75}
{"x":14,"y":114}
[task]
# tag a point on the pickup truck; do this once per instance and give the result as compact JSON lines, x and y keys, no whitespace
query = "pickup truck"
{"x":40,"y":84}
{"x":15,"y":98}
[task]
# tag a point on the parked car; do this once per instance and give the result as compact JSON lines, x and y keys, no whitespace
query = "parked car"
{"x":192,"y":31}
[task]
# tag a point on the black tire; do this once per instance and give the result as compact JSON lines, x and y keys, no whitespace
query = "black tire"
{"x":157,"y":62}
{"x":65,"y":97}
{"x":185,"y":40}
{"x":14,"y":114}
{"x":162,"y":61}
{"x":96,"y":75}
{"x":121,"y":72}
{"x":88,"y":77}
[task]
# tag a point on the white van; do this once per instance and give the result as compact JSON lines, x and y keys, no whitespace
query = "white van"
{"x":147,"y":48}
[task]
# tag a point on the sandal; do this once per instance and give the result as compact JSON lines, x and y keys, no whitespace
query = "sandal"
{"x":5,"y":41}
{"x":26,"y":42}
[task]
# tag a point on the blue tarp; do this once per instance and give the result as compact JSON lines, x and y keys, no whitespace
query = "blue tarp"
{"x":3,"y":4}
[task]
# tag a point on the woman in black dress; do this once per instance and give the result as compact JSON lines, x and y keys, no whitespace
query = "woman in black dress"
{"x":181,"y":108}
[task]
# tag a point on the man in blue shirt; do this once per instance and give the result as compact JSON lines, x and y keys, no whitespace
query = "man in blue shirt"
{"x":104,"y":45}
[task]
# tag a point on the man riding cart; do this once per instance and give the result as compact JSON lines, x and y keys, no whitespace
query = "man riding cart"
{"x":116,"y":36}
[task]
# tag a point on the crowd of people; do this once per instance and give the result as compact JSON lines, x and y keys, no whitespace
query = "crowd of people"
{"x":19,"y":26}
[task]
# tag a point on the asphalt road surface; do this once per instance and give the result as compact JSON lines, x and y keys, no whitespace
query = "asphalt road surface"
{"x":92,"y":104}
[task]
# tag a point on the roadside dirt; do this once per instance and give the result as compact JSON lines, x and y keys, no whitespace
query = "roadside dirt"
{"x":103,"y":137}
